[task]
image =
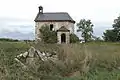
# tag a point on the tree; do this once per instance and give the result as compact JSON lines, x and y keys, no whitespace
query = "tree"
{"x":48,"y":36}
{"x":74,"y":38}
{"x":116,"y":27}
{"x":110,"y":35}
{"x":113,"y":34}
{"x":86,"y":28}
{"x":116,"y":24}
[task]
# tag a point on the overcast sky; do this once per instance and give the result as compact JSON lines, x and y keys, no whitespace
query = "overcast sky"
{"x":17,"y":16}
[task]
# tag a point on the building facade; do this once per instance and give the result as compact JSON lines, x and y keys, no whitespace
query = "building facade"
{"x":57,"y":21}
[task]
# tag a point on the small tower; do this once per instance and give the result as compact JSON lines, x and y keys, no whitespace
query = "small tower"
{"x":40,"y":9}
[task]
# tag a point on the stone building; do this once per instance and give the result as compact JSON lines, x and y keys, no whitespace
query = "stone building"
{"x":58,"y":21}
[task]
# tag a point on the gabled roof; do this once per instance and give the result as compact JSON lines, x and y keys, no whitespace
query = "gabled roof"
{"x":57,"y":16}
{"x":63,"y":29}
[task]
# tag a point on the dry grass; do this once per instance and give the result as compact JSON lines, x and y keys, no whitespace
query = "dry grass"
{"x":86,"y":57}
{"x":94,"y":61}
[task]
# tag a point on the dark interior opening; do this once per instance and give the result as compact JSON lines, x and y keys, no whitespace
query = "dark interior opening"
{"x":51,"y":27}
{"x":63,"y":38}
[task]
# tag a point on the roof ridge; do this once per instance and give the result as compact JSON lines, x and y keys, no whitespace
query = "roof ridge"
{"x":54,"y":12}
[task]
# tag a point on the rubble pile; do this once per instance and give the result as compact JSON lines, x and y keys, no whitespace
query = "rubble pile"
{"x":32,"y":53}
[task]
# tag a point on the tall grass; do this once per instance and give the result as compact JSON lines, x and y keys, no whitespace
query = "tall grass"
{"x":89,"y":61}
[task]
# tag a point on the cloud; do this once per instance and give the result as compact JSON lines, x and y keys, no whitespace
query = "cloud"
{"x":16,"y":24}
{"x":17,"y":35}
{"x":100,"y":27}
{"x":19,"y":20}
{"x":16,"y":28}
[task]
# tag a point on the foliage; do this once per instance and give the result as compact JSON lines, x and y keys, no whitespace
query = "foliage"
{"x":47,"y":35}
{"x":10,"y":40}
{"x":86,"y":27}
{"x":113,"y":34}
{"x":110,"y":35}
{"x":73,"y":38}
{"x":116,"y":24}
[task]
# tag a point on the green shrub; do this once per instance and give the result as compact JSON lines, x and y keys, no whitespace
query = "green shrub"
{"x":47,"y":35}
{"x":73,"y":38}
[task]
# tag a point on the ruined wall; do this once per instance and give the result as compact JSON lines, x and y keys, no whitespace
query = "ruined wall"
{"x":67,"y":37}
{"x":56,"y":25}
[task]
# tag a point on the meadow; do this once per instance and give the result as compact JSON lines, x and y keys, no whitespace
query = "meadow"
{"x":94,"y":61}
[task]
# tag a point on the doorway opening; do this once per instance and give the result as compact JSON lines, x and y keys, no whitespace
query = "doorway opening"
{"x":63,"y":38}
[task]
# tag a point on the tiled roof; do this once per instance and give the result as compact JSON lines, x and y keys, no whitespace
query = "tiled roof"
{"x":57,"y":16}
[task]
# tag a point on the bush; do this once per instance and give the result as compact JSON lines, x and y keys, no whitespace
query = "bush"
{"x":48,"y":36}
{"x":73,"y":38}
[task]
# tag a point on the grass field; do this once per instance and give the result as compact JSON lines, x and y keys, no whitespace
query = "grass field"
{"x":98,"y":61}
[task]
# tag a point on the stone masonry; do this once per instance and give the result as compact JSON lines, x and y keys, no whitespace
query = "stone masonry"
{"x":58,"y":20}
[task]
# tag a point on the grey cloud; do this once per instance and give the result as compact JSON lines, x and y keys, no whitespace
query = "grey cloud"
{"x":14,"y":22}
{"x":9,"y":28}
{"x":17,"y":35}
{"x":100,"y":27}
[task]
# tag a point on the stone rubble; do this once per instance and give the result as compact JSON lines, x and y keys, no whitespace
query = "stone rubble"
{"x":33,"y":53}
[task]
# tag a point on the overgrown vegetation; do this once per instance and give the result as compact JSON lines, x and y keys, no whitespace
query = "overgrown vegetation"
{"x":48,"y":36}
{"x":94,"y":61}
{"x":113,"y":35}
{"x":74,"y":38}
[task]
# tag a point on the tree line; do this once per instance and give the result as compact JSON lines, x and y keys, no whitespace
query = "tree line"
{"x":14,"y":40}
{"x":111,"y":35}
